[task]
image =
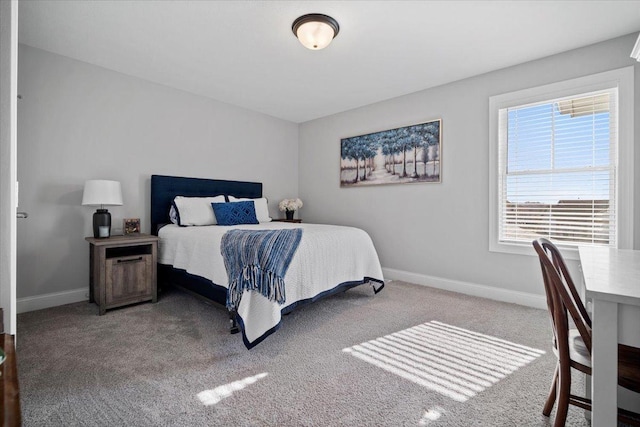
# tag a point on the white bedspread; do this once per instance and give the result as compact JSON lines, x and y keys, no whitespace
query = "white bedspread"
{"x":327,"y":256}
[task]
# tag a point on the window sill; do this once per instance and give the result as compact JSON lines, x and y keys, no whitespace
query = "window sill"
{"x":568,"y":252}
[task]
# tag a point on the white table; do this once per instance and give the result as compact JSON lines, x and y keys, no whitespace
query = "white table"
{"x":612,"y":279}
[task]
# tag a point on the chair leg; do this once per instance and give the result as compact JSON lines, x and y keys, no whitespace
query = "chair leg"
{"x":551,"y":399}
{"x":564,"y":395}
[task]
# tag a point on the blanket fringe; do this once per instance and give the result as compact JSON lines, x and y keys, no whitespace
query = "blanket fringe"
{"x":254,"y":278}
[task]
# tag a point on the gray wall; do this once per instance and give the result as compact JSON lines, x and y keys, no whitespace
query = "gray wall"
{"x":77,"y":121}
{"x":441,"y":230}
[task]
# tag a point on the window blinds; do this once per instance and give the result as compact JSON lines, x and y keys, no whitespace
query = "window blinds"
{"x":558,"y":170}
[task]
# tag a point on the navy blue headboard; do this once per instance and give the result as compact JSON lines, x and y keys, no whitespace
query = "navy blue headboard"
{"x":165,"y":188}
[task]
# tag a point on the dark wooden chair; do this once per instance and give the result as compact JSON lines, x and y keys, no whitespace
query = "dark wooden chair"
{"x":573,"y":346}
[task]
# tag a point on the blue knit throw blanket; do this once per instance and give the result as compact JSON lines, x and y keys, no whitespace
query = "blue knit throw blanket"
{"x":258,"y":260}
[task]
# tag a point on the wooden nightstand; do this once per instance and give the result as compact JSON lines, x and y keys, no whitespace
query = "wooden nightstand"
{"x":297,"y":221}
{"x":122,"y":270}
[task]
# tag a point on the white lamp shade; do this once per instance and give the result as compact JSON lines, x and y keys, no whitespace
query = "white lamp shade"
{"x":102,"y":192}
{"x":315,"y":35}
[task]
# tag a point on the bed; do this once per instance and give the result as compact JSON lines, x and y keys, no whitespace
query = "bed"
{"x":328,"y":259}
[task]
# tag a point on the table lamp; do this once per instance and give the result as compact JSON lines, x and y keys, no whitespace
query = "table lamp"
{"x":99,"y":192}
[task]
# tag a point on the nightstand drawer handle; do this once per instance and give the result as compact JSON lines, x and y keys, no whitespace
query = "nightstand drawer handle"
{"x":122,"y":261}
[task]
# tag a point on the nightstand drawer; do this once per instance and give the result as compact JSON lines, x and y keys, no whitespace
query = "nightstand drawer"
{"x":128,"y":279}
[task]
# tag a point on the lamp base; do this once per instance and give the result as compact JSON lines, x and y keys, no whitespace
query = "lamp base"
{"x":101,"y":224}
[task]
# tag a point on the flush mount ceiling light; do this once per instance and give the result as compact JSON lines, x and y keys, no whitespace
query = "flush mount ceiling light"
{"x":315,"y":30}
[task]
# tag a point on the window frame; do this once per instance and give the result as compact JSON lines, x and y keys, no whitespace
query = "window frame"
{"x":623,"y":79}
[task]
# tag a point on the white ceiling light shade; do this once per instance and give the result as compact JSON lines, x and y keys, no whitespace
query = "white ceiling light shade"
{"x":315,"y":30}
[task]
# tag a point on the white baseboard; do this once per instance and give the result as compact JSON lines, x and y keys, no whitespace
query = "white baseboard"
{"x":52,"y":300}
{"x":530,"y":300}
{"x":498,"y":294}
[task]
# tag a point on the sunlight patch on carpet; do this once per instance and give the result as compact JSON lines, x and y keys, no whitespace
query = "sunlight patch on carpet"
{"x":449,"y":360}
{"x":211,"y":397}
{"x":431,"y":415}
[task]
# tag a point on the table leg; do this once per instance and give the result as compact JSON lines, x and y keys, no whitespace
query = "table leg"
{"x":604,"y":360}
{"x":588,"y":395}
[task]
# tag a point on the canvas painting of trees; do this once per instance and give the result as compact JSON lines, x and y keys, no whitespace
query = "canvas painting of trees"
{"x":403,"y":155}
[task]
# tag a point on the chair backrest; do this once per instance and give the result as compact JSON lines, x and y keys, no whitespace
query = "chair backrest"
{"x":562,"y":296}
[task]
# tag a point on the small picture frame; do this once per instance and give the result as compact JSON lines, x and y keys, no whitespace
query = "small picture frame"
{"x":131,"y":225}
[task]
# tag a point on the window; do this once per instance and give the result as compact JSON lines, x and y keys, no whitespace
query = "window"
{"x":560,"y":164}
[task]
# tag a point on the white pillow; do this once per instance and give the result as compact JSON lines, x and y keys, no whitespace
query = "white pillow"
{"x":196,"y":210}
{"x":173,"y":214}
{"x":262,"y":207}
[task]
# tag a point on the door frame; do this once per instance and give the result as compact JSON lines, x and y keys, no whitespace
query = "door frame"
{"x":8,"y":160}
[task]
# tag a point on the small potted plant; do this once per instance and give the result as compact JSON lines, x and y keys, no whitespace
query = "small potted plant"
{"x":290,"y":206}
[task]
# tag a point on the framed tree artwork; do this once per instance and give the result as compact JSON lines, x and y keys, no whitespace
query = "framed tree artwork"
{"x":409,"y":154}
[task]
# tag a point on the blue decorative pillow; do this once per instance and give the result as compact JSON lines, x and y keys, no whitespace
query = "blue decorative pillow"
{"x":235,"y":213}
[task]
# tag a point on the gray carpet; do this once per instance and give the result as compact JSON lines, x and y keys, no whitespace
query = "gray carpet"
{"x":175,"y":364}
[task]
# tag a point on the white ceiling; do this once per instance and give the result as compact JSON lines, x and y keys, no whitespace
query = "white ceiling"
{"x":244,"y":53}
